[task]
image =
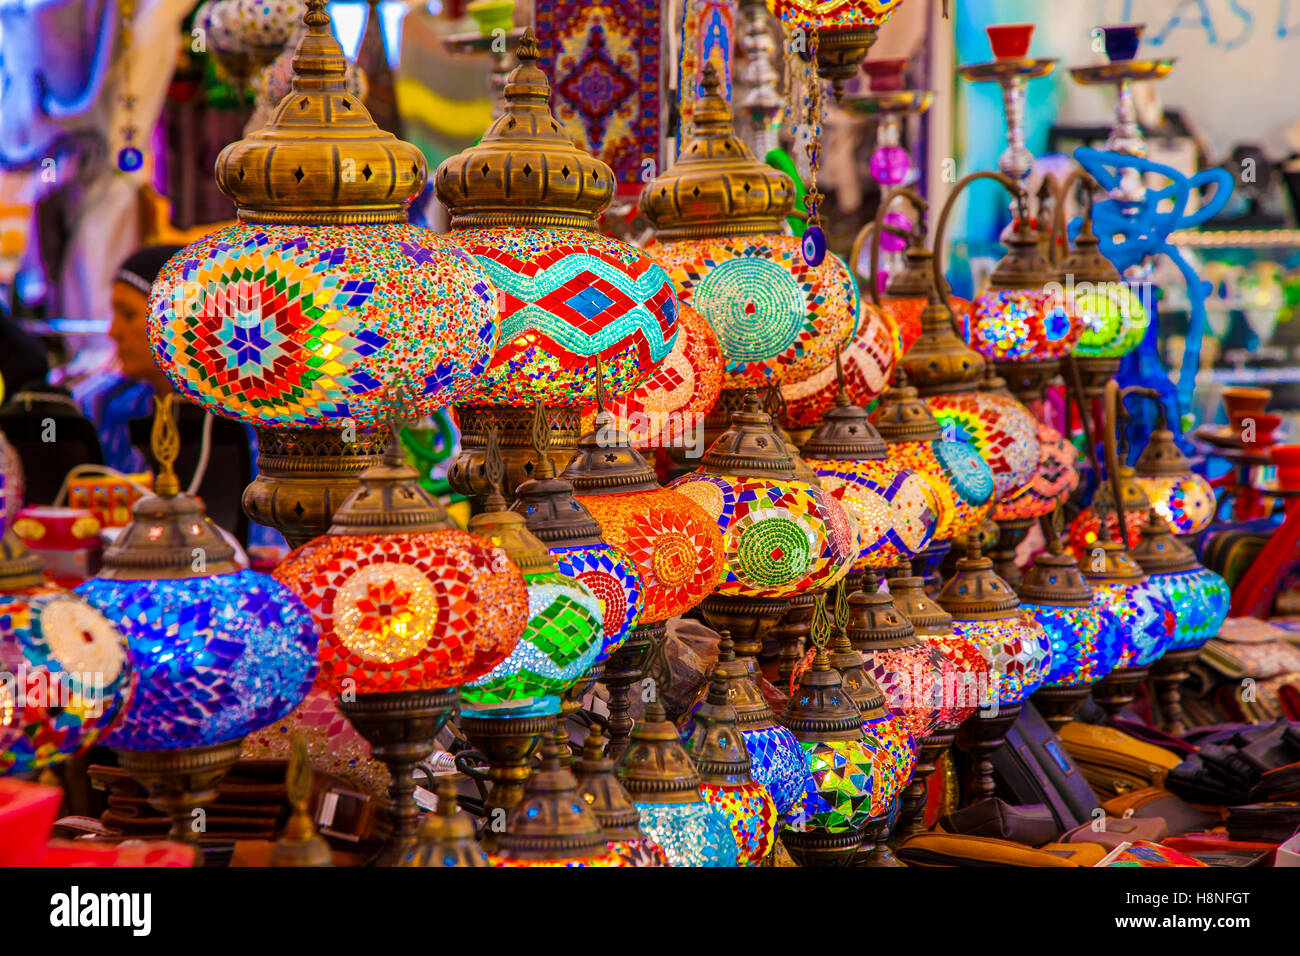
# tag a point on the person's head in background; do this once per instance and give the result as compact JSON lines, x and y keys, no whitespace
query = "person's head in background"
{"x":131,"y":312}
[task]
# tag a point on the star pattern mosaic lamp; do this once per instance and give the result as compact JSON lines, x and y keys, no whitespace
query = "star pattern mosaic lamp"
{"x":217,"y":651}
{"x":298,"y":318}
{"x":524,"y":201}
{"x":846,"y":31}
{"x":1179,"y":495}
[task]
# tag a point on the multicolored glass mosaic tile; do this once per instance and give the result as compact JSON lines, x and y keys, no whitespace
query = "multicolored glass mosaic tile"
{"x":842,"y":785}
{"x":833,"y":15}
{"x":1017,"y":650}
{"x":896,"y":510}
{"x":1021,"y":325}
{"x":612,"y":576}
{"x":308,"y":326}
{"x":965,"y":678}
{"x":911,"y":678}
{"x":644,"y":852}
{"x":216,"y":657}
{"x":778,"y":764}
{"x":961,"y":480}
{"x":1114,"y":320}
{"x":1085,"y":643}
{"x":1145,"y":619}
{"x":751,"y":812}
{"x":1200,"y":599}
{"x":1052,"y":483}
{"x":1001,"y":429}
{"x":1186,"y":502}
{"x":895,"y":751}
{"x":906,"y":313}
{"x":868,"y":363}
{"x":691,"y":834}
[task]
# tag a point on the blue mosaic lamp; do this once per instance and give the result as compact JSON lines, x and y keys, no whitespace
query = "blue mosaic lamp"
{"x":219,"y":652}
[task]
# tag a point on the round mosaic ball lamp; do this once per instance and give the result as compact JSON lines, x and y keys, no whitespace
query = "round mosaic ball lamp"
{"x":1099,"y":522}
{"x":782,"y":536}
{"x":719,"y":217}
{"x":1084,"y":635}
{"x":619,"y":818}
{"x":966,"y":680}
{"x":409,"y":608}
{"x":1053,"y":482}
{"x":1179,"y":495}
{"x":1200,"y":599}
{"x":665,"y":787}
{"x":986,"y":611}
{"x":217,"y":651}
{"x":446,"y":837}
{"x":300,"y":317}
{"x":524,"y":201}
{"x":77,"y":678}
{"x":726,"y":775}
{"x":846,"y":31}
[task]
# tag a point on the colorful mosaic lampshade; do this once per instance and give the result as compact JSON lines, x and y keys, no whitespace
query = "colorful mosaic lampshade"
{"x":1099,"y":523}
{"x":67,"y":672}
{"x":896,"y":509}
{"x":1053,"y":482}
{"x":1001,"y":429}
{"x":718,"y":216}
{"x":667,"y":408}
{"x":960,"y":479}
{"x":907,"y":293}
{"x":1179,"y":495}
{"x":1200,"y":597}
{"x":619,"y":818}
{"x":726,"y":774}
{"x":218,"y":651}
{"x":868,"y":364}
{"x":1143,"y":613}
{"x":665,"y":786}
{"x":846,"y":31}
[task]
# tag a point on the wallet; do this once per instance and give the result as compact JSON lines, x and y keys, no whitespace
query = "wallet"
{"x":1032,"y":825}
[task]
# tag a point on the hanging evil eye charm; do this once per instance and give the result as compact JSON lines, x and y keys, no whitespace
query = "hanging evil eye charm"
{"x":814,"y":245}
{"x":130,"y":159}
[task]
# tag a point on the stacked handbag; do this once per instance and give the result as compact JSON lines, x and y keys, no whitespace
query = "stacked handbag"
{"x":1249,"y":672}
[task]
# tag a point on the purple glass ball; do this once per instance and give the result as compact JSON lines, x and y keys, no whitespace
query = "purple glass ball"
{"x":889,"y":165}
{"x":890,"y":242}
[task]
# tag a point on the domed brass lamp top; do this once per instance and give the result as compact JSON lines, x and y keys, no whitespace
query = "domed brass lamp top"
{"x":170,"y":535}
{"x":848,"y":661}
{"x":552,"y":822}
{"x":655,"y":768}
{"x":939,"y":361}
{"x":716,"y":745}
{"x":20,"y":567}
{"x":845,"y":432}
{"x":904,"y":416}
{"x":390,"y":499}
{"x":1054,"y":579}
{"x":916,"y":279}
{"x":752,"y":709}
{"x":717,"y":187}
{"x":1162,"y":456}
{"x":1161,"y":551}
{"x":821,"y":709}
{"x":321,"y":158}
{"x":751,"y":447}
{"x":1110,"y":562}
{"x":875,"y":623}
{"x":1135,"y":499}
{"x":1085,"y":263}
{"x":504,"y":528}
{"x":606,"y":463}
{"x":929,"y":619}
{"x":526,"y":170}
{"x":446,"y":837}
{"x":597,"y":785}
{"x":976,"y":592}
{"x":1023,"y":266}
{"x":548,"y":503}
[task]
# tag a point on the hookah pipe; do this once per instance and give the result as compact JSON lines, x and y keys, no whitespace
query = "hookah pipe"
{"x":941,"y":287}
{"x":877,"y":227}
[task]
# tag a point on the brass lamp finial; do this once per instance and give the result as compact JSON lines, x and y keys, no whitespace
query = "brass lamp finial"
{"x":165,"y":440}
{"x":542,"y":441}
{"x":505,"y":528}
{"x":496,"y":469}
{"x":547,"y":501}
{"x":300,"y":845}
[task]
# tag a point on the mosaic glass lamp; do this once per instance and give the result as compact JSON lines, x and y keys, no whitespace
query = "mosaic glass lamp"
{"x":298,"y":318}
{"x":846,"y":31}
{"x":726,"y":774}
{"x":665,"y":786}
{"x":524,"y":201}
{"x":865,"y":365}
{"x":1179,"y":495}
{"x":619,"y":818}
{"x":986,"y":611}
{"x":719,"y":218}
{"x":76,"y":675}
{"x":1099,"y":522}
{"x":1084,"y":635}
{"x":1054,"y":480}
{"x":782,"y":536}
{"x":1200,"y":599}
{"x":218,"y":651}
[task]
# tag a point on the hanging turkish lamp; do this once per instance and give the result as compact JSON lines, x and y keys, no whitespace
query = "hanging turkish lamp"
{"x":506,"y":712}
{"x":446,"y":837}
{"x":298,"y":318}
{"x":845,"y":31}
{"x":76,"y":673}
{"x":1200,"y":599}
{"x":986,"y":611}
{"x":619,"y":818}
{"x":1084,"y":635}
{"x":966,"y":681}
{"x":217,"y":651}
{"x":553,"y":826}
{"x":726,"y":774}
{"x":409,"y":609}
{"x":719,"y":218}
{"x":1179,"y":495}
{"x":1099,"y":522}
{"x":1053,"y":482}
{"x":776,"y":758}
{"x":525,"y":202}
{"x":782,"y":536}
{"x":662,"y":780}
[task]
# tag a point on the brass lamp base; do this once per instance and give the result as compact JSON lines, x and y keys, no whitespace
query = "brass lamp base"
{"x":180,"y":782}
{"x":981,"y":737}
{"x":1028,"y":381}
{"x":749,"y":619}
{"x":1095,"y":373}
{"x":1167,"y":676}
{"x":625,"y":667}
{"x":792,"y":632}
{"x":304,"y":474}
{"x":1119,"y":688}
{"x":1058,"y":705}
{"x":840,"y":54}
{"x":880,"y":854}
{"x":821,"y":848}
{"x":1003,"y":553}
{"x":911,"y":818}
{"x":509,"y":744}
{"x":400,"y":729}
{"x":468,"y":473}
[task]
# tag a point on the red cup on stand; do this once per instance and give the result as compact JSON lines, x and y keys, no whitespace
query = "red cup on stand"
{"x":1287,"y":460}
{"x":1010,"y":41}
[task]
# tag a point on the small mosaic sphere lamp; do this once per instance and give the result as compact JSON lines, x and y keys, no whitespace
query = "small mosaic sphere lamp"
{"x":1099,"y":522}
{"x":525,"y":201}
{"x":218,"y":651}
{"x":1179,"y":495}
{"x":726,"y":778}
{"x":662,"y":780}
{"x":299,"y":317}
{"x":619,"y":818}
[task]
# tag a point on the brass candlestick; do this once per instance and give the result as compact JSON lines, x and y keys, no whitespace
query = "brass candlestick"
{"x":300,"y":845}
